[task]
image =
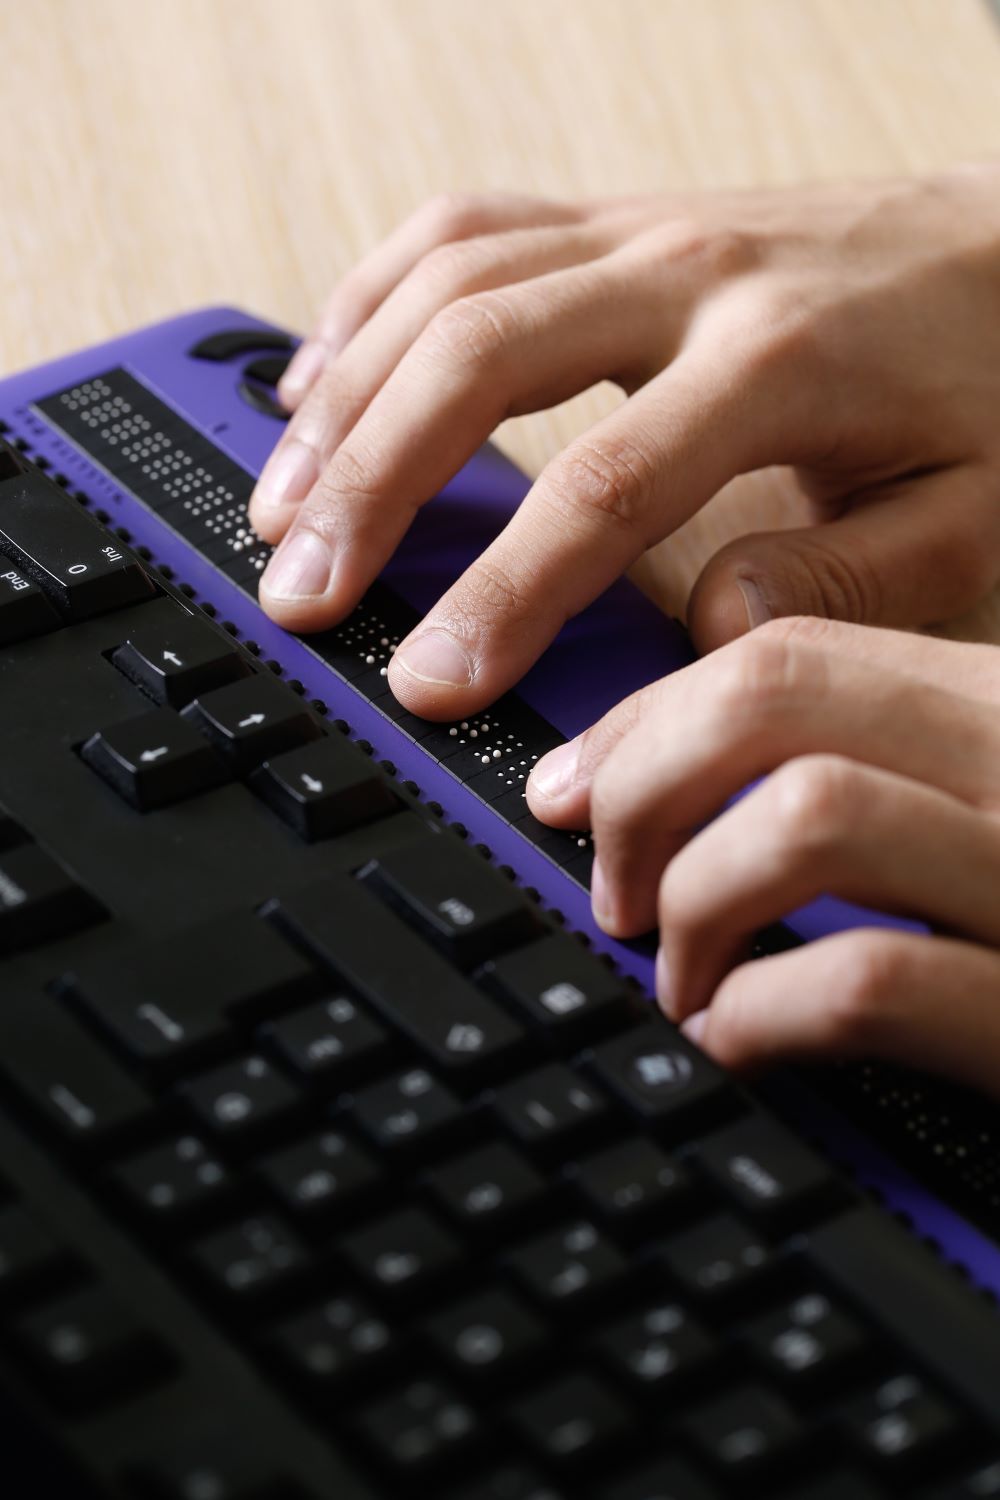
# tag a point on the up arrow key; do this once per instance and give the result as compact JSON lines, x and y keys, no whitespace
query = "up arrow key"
{"x":172,"y":657}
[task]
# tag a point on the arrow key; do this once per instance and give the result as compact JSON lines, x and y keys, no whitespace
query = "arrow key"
{"x":324,"y":788}
{"x":154,"y":759}
{"x":252,"y":720}
{"x":173,"y":663}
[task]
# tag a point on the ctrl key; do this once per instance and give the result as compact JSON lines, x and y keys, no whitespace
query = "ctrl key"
{"x":154,"y":759}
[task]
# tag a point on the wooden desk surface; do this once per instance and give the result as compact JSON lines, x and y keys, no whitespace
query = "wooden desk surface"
{"x":159,"y":154}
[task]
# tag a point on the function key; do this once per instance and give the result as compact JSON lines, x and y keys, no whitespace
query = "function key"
{"x":486,"y":1337}
{"x":407,"y":1112}
{"x":330,"y":1042}
{"x":630,"y":1183}
{"x":76,"y":563}
{"x":154,"y":759}
{"x":88,"y":1347}
{"x":902,"y":1424}
{"x":24,"y":609}
{"x":420,"y":1425}
{"x":489,"y":1190}
{"x":460,"y":903}
{"x":663,"y":1079}
{"x":174,"y":662}
{"x":769,"y":1174}
{"x":571,"y":1421}
{"x":324,"y":788}
{"x":718,"y":1259}
{"x":808,"y":1342}
{"x":561,"y":988}
{"x":340,"y":1341}
{"x":551,"y":1110}
{"x":252,"y":1258}
{"x":39,"y":901}
{"x":654,"y":1349}
{"x":319,"y":1176}
{"x":171,"y":1183}
{"x":745,"y":1432}
{"x":251,"y":720}
{"x":402,"y":1253}
{"x":569,"y":1267}
{"x":242,"y":1100}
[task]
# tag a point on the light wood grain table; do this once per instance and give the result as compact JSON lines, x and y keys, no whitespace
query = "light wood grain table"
{"x":159,"y":154}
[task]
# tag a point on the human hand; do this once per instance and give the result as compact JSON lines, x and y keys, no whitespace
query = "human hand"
{"x":884,"y":750}
{"x":850,"y":332}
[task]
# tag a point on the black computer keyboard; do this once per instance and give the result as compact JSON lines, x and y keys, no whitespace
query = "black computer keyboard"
{"x":332,"y":1166}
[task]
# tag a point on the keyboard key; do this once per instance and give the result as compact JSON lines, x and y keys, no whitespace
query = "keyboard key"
{"x":767,"y":1172}
{"x":489,"y":1190}
{"x":569,"y":1267}
{"x":551,"y":1110}
{"x":169,"y":1003}
{"x":252,"y":720}
{"x":241,"y":1100}
{"x":407,"y":1111}
{"x":76,"y":563}
{"x":671,"y":1479}
{"x":402,"y":1253}
{"x":24,"y":609}
{"x":39,"y":901}
{"x":331,"y":1042}
{"x":88,"y":1347}
{"x":809,"y":1342}
{"x":220,"y":1464}
{"x":252,"y":1258}
{"x":718,"y":1259}
{"x":658,"y":1348}
{"x":744,"y":1432}
{"x":572,"y":1420}
{"x":319,"y":1176}
{"x":324,"y":788}
{"x":509,"y":1483}
{"x":338,"y":1342}
{"x":486,"y":1337}
{"x":174,"y":1182}
{"x":30,"y":1258}
{"x":174,"y":661}
{"x":11,"y":832}
{"x":421,"y":1424}
{"x":668,"y":1083}
{"x":461,"y":904}
{"x":154,"y":759}
{"x":902,"y":1424}
{"x":411,"y":986}
{"x":632,"y":1183}
{"x":558,"y":986}
{"x":65,"y":1076}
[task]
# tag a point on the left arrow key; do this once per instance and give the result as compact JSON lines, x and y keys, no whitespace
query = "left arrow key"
{"x":154,"y":759}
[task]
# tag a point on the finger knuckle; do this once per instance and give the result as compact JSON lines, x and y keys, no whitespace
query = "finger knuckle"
{"x":811,"y":631}
{"x":453,"y":265}
{"x":814,"y":800}
{"x":871,"y":971}
{"x":754,"y":678}
{"x":607,"y":479}
{"x":495,"y":593}
{"x":453,"y":215}
{"x":475,"y":331}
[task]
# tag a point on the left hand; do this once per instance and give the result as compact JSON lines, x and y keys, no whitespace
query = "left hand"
{"x":884,"y":750}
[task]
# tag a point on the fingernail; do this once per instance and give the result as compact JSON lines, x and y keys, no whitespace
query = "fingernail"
{"x":436,"y":656}
{"x":599,"y":904}
{"x":300,"y":569}
{"x":556,"y":772}
{"x":753,"y":602}
{"x":303,"y":368}
{"x":694,"y":1027}
{"x":663,"y":991}
{"x":288,"y":476}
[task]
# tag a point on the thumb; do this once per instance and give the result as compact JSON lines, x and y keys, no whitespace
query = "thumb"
{"x":925,"y":552}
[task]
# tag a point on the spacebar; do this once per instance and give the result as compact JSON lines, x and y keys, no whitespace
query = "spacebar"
{"x":901,"y":1285}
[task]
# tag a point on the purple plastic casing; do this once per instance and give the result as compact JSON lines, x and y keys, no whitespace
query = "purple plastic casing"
{"x":620,"y":643}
